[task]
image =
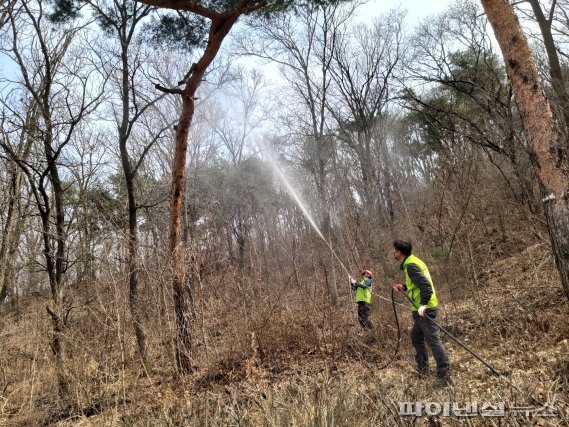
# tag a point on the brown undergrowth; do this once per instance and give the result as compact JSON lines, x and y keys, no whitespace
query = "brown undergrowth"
{"x":290,"y":359}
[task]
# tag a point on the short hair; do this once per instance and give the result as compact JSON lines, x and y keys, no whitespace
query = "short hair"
{"x":403,"y":246}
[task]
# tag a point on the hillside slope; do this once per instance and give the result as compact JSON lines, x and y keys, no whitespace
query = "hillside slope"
{"x":517,"y":321}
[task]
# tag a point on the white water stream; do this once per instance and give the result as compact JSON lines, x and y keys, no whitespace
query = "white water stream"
{"x":294,"y":194}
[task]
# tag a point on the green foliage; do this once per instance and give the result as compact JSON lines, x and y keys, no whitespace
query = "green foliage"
{"x":427,"y":118}
{"x":475,"y":81}
{"x":64,"y":10}
{"x":96,"y":206}
{"x":184,"y":31}
{"x":271,"y":5}
{"x":464,"y":100}
{"x":110,"y":18}
{"x":249,"y":186}
{"x":171,"y":30}
{"x":181,"y":31}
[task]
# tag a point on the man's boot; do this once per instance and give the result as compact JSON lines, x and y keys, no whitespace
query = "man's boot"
{"x":443,"y":382}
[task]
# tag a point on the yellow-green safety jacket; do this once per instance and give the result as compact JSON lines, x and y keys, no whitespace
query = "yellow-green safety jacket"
{"x":364,"y":293}
{"x":413,"y":291}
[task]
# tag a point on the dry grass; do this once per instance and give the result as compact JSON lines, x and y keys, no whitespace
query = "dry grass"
{"x":274,"y":359}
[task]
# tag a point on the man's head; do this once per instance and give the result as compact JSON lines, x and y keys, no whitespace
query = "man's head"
{"x":401,"y":249}
{"x":367,"y":273}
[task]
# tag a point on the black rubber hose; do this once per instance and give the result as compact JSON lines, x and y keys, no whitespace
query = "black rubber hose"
{"x":398,"y":332}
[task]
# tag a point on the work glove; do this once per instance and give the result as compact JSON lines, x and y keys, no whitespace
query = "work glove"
{"x":354,"y":286}
{"x":399,"y":287}
{"x":422,"y":310}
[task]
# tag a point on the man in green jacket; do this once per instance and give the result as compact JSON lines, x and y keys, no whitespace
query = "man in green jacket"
{"x":420,"y":290}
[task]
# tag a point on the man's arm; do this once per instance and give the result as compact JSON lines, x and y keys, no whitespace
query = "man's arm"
{"x":420,"y":280}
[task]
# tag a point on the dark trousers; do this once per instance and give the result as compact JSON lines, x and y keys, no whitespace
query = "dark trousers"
{"x":363,"y":315}
{"x":424,"y":330}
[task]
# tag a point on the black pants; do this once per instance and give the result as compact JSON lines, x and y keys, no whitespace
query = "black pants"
{"x":363,"y":315}
{"x":426,"y":330}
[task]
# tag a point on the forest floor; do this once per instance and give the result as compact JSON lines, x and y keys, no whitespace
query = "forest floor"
{"x":516,"y":320}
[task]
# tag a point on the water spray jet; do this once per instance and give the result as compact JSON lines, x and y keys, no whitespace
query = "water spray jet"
{"x":293,"y":193}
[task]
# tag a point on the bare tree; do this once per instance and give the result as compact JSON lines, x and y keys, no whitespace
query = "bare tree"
{"x":122,"y":19}
{"x":364,"y":68}
{"x":235,"y":130}
{"x":60,"y":87}
{"x":457,"y":89}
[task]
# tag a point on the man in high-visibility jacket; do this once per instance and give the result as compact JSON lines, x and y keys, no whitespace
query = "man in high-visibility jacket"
{"x":363,"y":297}
{"x":419,"y":288}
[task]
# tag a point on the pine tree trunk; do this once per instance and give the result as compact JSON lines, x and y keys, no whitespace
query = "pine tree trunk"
{"x":538,"y":125}
{"x":220,"y":27}
{"x":181,"y":302}
{"x":555,"y":68}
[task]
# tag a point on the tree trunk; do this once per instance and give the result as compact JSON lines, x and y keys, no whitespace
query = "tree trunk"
{"x":241,"y":246}
{"x":129,"y":174}
{"x":220,"y":27}
{"x":181,"y":302}
{"x":54,"y":266}
{"x":56,"y":262}
{"x":134,"y":304}
{"x":538,"y":124}
{"x":555,"y":70}
{"x":11,"y":232}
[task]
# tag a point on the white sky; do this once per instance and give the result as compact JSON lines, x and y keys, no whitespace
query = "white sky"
{"x":417,"y":9}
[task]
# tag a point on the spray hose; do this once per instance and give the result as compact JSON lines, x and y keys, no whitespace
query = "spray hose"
{"x":396,"y":352}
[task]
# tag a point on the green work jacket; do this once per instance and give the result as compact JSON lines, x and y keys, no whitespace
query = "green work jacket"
{"x":413,"y":292}
{"x":363,"y":294}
